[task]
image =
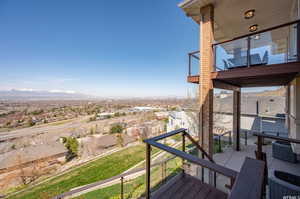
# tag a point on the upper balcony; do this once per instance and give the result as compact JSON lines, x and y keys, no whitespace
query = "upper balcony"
{"x":265,"y":58}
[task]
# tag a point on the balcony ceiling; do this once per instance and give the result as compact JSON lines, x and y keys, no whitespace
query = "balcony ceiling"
{"x":229,"y":15}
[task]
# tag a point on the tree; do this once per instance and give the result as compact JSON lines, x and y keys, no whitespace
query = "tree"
{"x":72,"y":145}
{"x":117,"y":130}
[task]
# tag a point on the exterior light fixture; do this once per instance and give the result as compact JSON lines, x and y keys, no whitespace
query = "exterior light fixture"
{"x":253,"y":28}
{"x":249,"y":14}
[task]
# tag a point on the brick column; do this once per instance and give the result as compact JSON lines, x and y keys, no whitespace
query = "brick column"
{"x":206,"y":86}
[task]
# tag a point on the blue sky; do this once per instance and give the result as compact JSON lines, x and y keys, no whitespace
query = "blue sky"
{"x":133,"y":48}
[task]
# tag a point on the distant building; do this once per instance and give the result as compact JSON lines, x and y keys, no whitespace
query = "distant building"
{"x":145,"y":130}
{"x":183,"y":119}
{"x":105,"y":115}
{"x":162,"y":115}
{"x":143,"y":108}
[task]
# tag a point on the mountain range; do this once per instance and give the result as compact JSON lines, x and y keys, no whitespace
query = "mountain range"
{"x":40,"y":95}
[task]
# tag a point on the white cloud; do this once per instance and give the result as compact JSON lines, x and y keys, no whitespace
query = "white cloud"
{"x":62,"y":91}
{"x":25,"y":89}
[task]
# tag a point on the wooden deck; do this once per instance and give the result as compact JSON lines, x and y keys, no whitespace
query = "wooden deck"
{"x":184,"y":186}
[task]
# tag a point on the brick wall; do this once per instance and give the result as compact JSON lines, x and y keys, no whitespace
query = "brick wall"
{"x":206,"y":87}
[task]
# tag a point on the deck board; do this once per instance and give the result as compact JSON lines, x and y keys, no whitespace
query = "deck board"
{"x":184,"y":189}
{"x":195,"y":190}
{"x":176,"y":186}
{"x":202,"y":193}
{"x":188,"y":187}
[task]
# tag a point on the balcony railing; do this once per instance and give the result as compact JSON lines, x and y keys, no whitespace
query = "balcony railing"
{"x":194,"y":58}
{"x":252,"y":172}
{"x":276,"y":45}
{"x":206,"y":162}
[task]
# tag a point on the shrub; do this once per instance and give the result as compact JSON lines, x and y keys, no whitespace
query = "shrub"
{"x":30,"y":122}
{"x":116,"y":129}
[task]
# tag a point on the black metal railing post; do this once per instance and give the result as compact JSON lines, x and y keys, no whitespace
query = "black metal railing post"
{"x":148,"y":168}
{"x":248,"y":51}
{"x":190,"y":70}
{"x":259,"y":147}
{"x":220,"y":148}
{"x":215,"y":179}
{"x":183,"y":149}
{"x":202,"y":169}
{"x":122,"y":187}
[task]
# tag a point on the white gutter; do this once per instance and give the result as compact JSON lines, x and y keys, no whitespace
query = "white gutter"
{"x":186,"y":3}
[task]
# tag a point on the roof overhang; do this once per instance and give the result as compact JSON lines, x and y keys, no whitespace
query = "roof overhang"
{"x":229,"y":21}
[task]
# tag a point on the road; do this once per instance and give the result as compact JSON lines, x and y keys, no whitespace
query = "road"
{"x":55,"y":129}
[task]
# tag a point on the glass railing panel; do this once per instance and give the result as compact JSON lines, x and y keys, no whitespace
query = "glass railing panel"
{"x":292,"y":43}
{"x":222,"y":141}
{"x":194,"y":64}
{"x":231,"y":54}
{"x":270,"y":47}
{"x":162,"y":173}
{"x":133,"y":186}
{"x":275,"y":46}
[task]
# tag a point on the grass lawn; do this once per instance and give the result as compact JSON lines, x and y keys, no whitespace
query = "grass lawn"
{"x":100,"y":169}
{"x":134,"y":188}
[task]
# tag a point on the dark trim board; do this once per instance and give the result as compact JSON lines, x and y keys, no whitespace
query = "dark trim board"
{"x":259,"y":76}
{"x":193,"y":79}
{"x":228,"y":86}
